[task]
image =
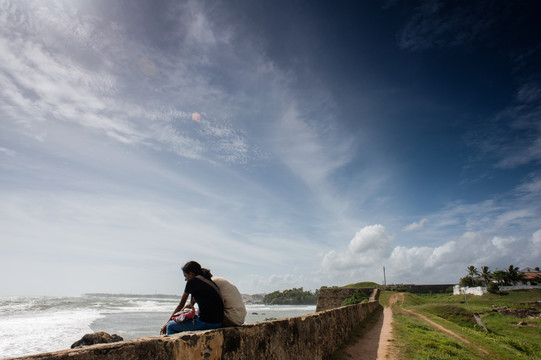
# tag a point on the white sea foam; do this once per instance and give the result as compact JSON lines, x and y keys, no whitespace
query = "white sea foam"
{"x":35,"y":332}
{"x":30,"y":325}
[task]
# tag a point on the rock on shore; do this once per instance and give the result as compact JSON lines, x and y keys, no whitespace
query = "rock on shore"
{"x":100,"y":337}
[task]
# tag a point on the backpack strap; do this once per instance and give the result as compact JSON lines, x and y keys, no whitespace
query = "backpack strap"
{"x":211,"y":284}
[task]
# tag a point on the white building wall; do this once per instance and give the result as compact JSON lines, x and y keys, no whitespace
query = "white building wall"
{"x":480,"y":290}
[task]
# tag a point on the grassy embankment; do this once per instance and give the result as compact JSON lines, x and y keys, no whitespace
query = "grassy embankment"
{"x":510,"y":336}
{"x":366,"y":284}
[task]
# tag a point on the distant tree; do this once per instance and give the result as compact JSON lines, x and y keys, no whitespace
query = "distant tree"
{"x":500,"y":276}
{"x":514,"y":275}
{"x":468,"y":281}
{"x":486,"y":274}
{"x":472,"y":271}
{"x":292,"y":296}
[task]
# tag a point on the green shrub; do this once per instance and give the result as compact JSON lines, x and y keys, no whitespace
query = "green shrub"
{"x":493,"y":288}
{"x":358,"y":297}
{"x":468,"y":281}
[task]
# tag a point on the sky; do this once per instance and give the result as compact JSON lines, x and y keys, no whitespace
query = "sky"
{"x":281,"y":144}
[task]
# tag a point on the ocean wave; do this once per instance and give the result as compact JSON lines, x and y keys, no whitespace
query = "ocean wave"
{"x":57,"y":322}
{"x":51,"y":330}
{"x":22,"y":305}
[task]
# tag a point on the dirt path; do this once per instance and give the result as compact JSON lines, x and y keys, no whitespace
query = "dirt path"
{"x":384,"y":346}
{"x":375,"y":344}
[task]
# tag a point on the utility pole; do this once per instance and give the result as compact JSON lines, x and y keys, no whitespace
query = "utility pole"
{"x":384,"y":279}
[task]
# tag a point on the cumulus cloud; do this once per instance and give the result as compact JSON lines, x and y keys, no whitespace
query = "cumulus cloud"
{"x":369,"y":246}
{"x":444,"y":263}
{"x":416,"y":225}
{"x":503,"y":244}
{"x":535,"y":246}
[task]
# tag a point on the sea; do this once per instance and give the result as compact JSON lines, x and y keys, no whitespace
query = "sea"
{"x":31,"y":325}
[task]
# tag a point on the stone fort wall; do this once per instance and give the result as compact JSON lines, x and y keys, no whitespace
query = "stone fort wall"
{"x":421,"y":289}
{"x":309,"y":337}
{"x":331,"y":298}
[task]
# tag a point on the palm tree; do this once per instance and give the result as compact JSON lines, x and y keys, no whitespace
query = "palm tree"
{"x":486,"y":274}
{"x":472,"y":271}
{"x":500,"y":276}
{"x":514,"y":275}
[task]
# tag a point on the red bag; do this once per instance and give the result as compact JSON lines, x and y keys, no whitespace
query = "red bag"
{"x":186,"y":314}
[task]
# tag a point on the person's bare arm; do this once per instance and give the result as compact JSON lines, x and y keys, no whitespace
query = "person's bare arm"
{"x":179,"y":307}
{"x":190,"y":305}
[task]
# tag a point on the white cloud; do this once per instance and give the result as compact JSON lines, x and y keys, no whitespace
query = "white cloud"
{"x":531,"y":187}
{"x":536,"y":237}
{"x":200,"y":31}
{"x":102,"y":123}
{"x":503,"y":244}
{"x":427,"y":264}
{"x":406,"y":259}
{"x":306,"y":150}
{"x":416,"y":225}
{"x":511,"y":217}
{"x":50,"y":83}
{"x":7,"y":152}
{"x":262,"y":283}
{"x":150,"y":231}
{"x":370,"y":238}
{"x":445,"y":263}
{"x":370,"y":246}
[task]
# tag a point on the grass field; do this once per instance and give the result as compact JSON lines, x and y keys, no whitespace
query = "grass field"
{"x":512,"y":334}
{"x":365,"y":284}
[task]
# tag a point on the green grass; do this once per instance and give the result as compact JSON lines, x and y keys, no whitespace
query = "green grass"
{"x":485,"y":302}
{"x":416,"y":340}
{"x":366,"y":284}
{"x":506,"y":339}
{"x":384,"y":297}
{"x":455,"y":314}
{"x":512,"y":337}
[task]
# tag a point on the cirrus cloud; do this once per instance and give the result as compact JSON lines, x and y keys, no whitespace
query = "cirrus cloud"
{"x":416,"y":225}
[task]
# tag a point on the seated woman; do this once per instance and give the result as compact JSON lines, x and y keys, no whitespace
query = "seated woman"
{"x":211,"y":306}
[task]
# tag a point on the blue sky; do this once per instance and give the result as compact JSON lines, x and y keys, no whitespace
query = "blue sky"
{"x":281,"y":143}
